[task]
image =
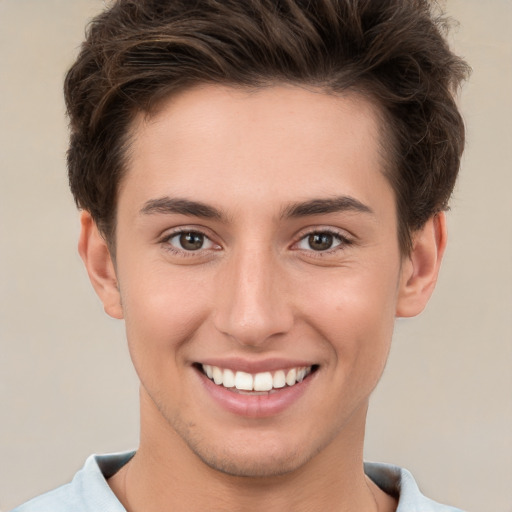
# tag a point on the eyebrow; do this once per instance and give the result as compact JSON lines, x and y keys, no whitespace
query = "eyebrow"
{"x":168,"y":205}
{"x":324,"y":206}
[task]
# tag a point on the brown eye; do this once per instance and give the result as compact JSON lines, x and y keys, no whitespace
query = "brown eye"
{"x":320,"y":241}
{"x":191,"y":241}
{"x":188,"y":243}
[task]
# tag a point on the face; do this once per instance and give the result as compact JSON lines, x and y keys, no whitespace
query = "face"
{"x":259,"y":272}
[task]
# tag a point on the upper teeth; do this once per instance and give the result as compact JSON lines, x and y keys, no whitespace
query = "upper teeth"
{"x":264,"y":381}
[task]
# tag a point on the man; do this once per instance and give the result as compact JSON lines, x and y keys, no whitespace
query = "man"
{"x":262,"y":187}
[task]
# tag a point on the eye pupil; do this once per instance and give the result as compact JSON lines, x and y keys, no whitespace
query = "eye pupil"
{"x":320,"y":241}
{"x":191,"y":241}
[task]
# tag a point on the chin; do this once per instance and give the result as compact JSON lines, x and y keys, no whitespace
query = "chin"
{"x":247,"y":465}
{"x":245,"y":451}
{"x":259,"y":455}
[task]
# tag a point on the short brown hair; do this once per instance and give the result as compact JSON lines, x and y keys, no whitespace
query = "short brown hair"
{"x":392,"y":51}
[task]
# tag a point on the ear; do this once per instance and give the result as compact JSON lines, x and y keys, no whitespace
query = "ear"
{"x":96,"y":256}
{"x":421,"y":268}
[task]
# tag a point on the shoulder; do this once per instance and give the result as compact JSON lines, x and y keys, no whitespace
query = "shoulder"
{"x":58,"y":500}
{"x":400,"y":483}
{"x":87,"y":492}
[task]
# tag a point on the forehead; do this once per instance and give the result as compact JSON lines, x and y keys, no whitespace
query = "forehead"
{"x":282,"y":143}
{"x":194,"y":111}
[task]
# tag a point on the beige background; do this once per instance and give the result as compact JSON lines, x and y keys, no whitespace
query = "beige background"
{"x":444,"y":407}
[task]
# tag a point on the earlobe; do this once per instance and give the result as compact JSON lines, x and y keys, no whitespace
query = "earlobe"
{"x":421,"y":268}
{"x":96,"y":256}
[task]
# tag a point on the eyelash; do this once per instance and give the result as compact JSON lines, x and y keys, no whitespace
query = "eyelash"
{"x":342,"y":240}
{"x":166,"y":243}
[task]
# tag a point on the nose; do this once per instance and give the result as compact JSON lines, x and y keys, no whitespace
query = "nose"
{"x":253,"y":305}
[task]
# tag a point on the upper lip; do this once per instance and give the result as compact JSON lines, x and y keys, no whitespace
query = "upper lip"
{"x":256,"y":366}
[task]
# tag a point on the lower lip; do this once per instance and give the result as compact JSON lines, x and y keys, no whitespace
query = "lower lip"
{"x":256,"y":406}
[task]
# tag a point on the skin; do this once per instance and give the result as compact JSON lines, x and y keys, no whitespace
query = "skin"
{"x":257,"y":291}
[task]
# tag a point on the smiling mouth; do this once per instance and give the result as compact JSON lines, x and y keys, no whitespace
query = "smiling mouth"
{"x":255,"y":383}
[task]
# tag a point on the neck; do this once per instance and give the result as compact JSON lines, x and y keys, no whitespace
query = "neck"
{"x":166,"y":475}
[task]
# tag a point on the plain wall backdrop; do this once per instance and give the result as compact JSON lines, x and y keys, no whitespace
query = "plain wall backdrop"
{"x":67,"y":389}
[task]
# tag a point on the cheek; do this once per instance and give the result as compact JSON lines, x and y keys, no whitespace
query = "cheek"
{"x":162,"y":313}
{"x":162,"y":310}
{"x":354,"y":312}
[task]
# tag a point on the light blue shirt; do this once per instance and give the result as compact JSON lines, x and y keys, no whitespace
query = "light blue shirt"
{"x":90,"y":492}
